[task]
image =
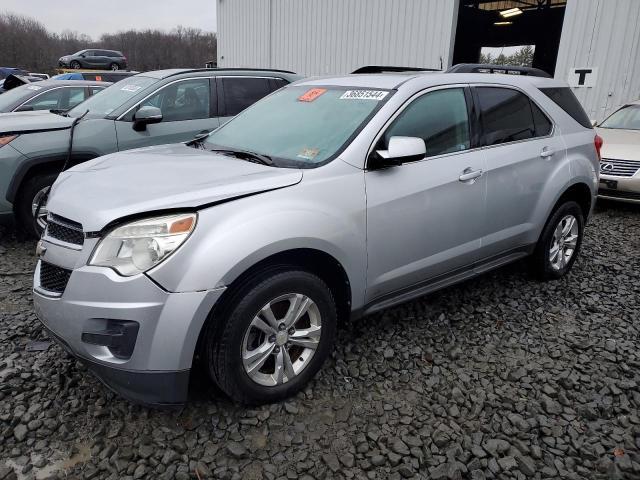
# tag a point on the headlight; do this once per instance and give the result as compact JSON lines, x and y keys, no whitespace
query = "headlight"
{"x":138,"y":246}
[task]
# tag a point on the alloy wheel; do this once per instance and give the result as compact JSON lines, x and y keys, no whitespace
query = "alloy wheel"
{"x":564,"y":242}
{"x":281,"y":339}
{"x":40,"y":200}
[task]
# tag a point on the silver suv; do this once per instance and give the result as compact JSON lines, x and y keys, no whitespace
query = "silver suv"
{"x":329,"y":199}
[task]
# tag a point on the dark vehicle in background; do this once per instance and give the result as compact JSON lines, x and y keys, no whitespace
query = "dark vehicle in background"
{"x":6,"y":71}
{"x":153,"y":108}
{"x":49,"y":95}
{"x":95,"y":58}
{"x":96,"y":76}
{"x":14,"y":80}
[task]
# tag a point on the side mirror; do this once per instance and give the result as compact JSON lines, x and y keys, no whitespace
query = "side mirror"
{"x":24,"y":108}
{"x":146,"y":116}
{"x":400,"y":150}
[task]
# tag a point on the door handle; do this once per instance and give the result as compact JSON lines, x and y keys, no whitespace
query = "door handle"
{"x":469,"y":175}
{"x":547,"y":152}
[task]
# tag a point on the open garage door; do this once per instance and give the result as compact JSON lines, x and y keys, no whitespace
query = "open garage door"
{"x":525,"y":32}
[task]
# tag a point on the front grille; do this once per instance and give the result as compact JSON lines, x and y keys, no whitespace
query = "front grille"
{"x":65,"y":230}
{"x":53,"y":278}
{"x":619,"y":194}
{"x":619,"y":168}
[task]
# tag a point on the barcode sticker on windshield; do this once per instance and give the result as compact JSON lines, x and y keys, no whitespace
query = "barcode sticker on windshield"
{"x":131,"y":88}
{"x":364,"y":95}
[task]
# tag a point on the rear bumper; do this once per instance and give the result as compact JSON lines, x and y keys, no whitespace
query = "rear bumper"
{"x":623,"y":189}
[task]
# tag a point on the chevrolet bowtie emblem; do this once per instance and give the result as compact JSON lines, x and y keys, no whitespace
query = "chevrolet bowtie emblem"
{"x":40,"y":249}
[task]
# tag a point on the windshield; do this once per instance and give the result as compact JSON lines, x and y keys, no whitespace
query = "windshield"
{"x":16,"y":96}
{"x":627,"y":118}
{"x":103,"y":103}
{"x":300,"y":126}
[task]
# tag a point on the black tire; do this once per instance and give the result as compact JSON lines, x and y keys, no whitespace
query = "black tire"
{"x":75,"y":65}
{"x":224,"y":339}
{"x":24,"y":202}
{"x":114,"y":66}
{"x":541,"y":259}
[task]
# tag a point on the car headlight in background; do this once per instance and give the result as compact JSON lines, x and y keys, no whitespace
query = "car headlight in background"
{"x":5,"y":139}
{"x":136,"y":247}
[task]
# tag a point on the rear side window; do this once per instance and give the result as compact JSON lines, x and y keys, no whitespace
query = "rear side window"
{"x":565,"y":99}
{"x":439,"y":118}
{"x":505,"y":115}
{"x":542,"y":122}
{"x":239,"y":93}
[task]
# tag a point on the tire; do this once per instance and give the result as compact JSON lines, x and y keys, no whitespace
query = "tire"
{"x":232,"y":338}
{"x":33,"y":187}
{"x":75,"y":65}
{"x":114,"y":67}
{"x":545,"y":264}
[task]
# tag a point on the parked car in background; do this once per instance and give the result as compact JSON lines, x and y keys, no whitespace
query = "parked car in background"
{"x":330,"y":198}
{"x":152,"y":108}
{"x":6,"y":71}
{"x":620,"y":165}
{"x":49,"y":95}
{"x":14,"y":80}
{"x":97,"y":76}
{"x":95,"y":58}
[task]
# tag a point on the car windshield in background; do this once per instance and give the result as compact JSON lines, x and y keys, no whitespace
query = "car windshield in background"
{"x":111,"y":98}
{"x":627,"y":118}
{"x":300,"y":126}
{"x":17,"y":95}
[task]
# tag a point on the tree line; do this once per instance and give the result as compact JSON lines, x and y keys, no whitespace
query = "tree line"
{"x":521,"y":58}
{"x":26,"y":43}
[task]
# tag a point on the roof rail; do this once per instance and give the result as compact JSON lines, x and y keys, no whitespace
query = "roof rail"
{"x":390,"y":69}
{"x":233,"y":70}
{"x":491,"y":68}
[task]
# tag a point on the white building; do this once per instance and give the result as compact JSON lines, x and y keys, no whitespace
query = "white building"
{"x":592,"y":44}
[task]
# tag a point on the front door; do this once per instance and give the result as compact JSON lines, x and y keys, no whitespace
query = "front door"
{"x":186,"y":110}
{"x":424,"y":218}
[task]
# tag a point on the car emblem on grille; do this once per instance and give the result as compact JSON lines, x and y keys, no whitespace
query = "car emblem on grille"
{"x":40,"y":249}
{"x":606,"y":167}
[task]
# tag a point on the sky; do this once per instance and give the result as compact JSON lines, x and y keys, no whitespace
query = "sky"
{"x":108,"y":16}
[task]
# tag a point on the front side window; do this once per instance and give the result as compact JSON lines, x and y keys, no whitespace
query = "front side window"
{"x":300,"y":126}
{"x":505,"y":114}
{"x":57,"y":99}
{"x":240,"y":93}
{"x":440,"y":118}
{"x":184,"y":100}
{"x":627,"y":118}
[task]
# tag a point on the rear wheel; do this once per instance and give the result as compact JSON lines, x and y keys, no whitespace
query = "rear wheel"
{"x":114,"y":66}
{"x":33,"y":193}
{"x":559,"y":243}
{"x":75,"y":65}
{"x":273,"y":338}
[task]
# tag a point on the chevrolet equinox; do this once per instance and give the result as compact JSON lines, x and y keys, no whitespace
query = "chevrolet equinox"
{"x":329,"y":199}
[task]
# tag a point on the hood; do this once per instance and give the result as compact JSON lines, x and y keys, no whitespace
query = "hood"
{"x":30,"y":122}
{"x":620,"y":144}
{"x":100,"y":191}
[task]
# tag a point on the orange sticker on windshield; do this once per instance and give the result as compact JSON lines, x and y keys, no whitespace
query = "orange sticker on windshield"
{"x":312,"y":94}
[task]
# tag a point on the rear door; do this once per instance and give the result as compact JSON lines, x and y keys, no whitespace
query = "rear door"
{"x":239,"y":92}
{"x":522,"y":147}
{"x":188,"y":108}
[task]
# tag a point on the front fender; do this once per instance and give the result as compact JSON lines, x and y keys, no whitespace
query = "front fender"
{"x":326,"y":215}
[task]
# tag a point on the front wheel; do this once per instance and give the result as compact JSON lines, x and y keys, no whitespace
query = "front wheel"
{"x":274,"y":337}
{"x":559,"y":243}
{"x":114,"y":67}
{"x":32,"y":201}
{"x":75,"y":65}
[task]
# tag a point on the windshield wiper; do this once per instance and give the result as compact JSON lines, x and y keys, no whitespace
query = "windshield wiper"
{"x":57,"y":111}
{"x":246,"y":155}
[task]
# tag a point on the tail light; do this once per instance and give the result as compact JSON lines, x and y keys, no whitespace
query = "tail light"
{"x":598,"y":142}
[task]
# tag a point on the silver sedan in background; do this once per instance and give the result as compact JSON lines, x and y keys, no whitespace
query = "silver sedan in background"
{"x":620,"y":164}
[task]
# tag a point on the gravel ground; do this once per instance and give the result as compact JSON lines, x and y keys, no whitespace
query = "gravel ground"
{"x":500,"y":377}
